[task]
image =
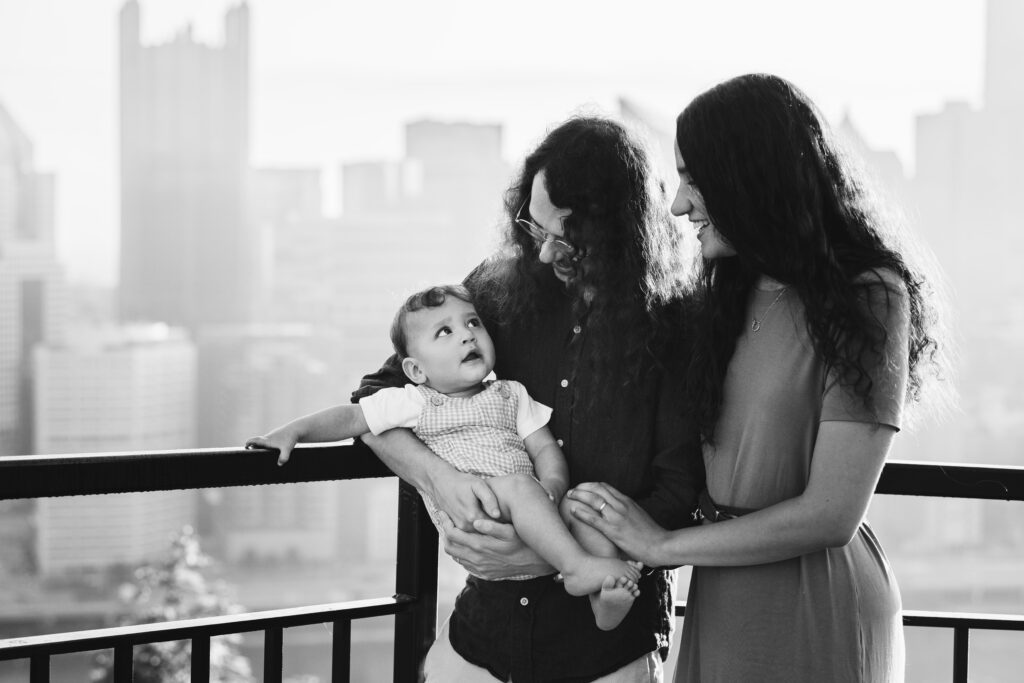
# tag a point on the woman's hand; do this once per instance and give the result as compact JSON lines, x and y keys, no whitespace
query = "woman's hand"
{"x":492,"y":550}
{"x":618,"y":517}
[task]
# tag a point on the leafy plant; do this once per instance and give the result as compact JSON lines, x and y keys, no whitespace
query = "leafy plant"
{"x":174,"y":589}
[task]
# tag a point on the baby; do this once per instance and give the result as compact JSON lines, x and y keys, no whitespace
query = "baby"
{"x":492,"y":429}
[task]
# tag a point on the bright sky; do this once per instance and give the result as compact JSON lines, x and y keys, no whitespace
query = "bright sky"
{"x":334,"y":82}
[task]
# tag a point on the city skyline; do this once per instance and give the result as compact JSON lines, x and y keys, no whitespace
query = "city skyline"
{"x":326,"y":285}
{"x":330,"y":88}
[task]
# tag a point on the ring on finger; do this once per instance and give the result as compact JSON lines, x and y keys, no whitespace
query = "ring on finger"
{"x":604,"y":504}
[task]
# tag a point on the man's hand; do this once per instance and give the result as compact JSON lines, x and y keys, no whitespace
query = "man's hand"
{"x":464,"y":497}
{"x":492,"y":550}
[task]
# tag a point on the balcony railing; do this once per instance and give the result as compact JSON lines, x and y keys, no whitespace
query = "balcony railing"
{"x":414,"y":603}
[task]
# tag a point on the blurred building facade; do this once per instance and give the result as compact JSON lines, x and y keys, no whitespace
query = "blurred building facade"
{"x":186,"y":243}
{"x":33,"y":303}
{"x":33,"y":295}
{"x":116,"y":389}
{"x":254,"y":378}
{"x":965,"y":188}
{"x":330,"y":289}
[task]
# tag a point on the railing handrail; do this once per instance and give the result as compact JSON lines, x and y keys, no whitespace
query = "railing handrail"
{"x":971,"y":620}
{"x":41,"y":476}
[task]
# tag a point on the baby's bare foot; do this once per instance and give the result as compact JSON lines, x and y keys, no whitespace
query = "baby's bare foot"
{"x":612,"y":603}
{"x":589,"y":576}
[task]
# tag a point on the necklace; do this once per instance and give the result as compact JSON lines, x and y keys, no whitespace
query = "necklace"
{"x":755,"y":324}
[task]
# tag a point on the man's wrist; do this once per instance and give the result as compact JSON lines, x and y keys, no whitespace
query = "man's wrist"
{"x":436,"y":474}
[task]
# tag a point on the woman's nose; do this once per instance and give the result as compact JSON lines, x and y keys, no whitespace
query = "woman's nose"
{"x":681,"y":204}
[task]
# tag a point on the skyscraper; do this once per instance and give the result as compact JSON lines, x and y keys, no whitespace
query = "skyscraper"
{"x":966,"y":188}
{"x":968,"y":177}
{"x":33,"y":297}
{"x":185,"y":243}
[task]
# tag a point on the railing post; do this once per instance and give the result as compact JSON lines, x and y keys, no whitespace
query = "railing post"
{"x":341,"y":651}
{"x":415,"y":576}
{"x":200,"y":660}
{"x":39,"y":669}
{"x":124,"y":663}
{"x":961,"y":641}
{"x":273,"y":654}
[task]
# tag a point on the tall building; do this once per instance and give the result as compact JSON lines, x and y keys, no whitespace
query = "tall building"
{"x":33,"y":296}
{"x":428,"y":218}
{"x":120,"y":389}
{"x":965,"y":190}
{"x":186,"y":251}
{"x":967,"y":180}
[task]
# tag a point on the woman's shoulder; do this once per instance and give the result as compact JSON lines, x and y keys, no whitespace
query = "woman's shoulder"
{"x":881,"y":277}
{"x":883,"y":292}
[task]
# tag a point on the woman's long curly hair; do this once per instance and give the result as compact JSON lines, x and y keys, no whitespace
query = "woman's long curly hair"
{"x":632,"y":271}
{"x":777,"y":188}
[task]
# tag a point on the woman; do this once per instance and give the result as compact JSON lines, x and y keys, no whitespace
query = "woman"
{"x":812,"y":331}
{"x":582,"y":305}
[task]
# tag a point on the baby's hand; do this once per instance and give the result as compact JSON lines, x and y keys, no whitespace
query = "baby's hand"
{"x":275,"y":441}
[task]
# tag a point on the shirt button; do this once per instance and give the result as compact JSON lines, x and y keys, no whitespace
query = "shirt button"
{"x":524,"y":602}
{"x":559,"y":442}
{"x":564,"y":383}
{"x":577,"y":329}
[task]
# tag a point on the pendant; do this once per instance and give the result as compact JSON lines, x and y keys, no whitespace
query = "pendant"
{"x":755,"y":325}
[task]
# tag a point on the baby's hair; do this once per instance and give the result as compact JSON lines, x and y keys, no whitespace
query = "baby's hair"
{"x":432,"y":297}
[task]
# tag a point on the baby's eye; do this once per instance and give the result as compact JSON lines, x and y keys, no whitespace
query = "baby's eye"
{"x":474,"y":322}
{"x":444,"y":331}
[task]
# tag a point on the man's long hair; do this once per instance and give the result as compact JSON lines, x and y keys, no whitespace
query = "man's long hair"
{"x":778,"y":188}
{"x":632,"y":269}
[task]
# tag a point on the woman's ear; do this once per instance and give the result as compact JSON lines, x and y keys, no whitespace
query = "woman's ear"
{"x":411,"y":368}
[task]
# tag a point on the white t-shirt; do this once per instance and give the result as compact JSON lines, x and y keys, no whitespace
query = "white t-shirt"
{"x":393,"y":407}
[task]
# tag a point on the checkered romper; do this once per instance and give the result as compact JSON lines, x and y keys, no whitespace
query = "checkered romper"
{"x":476,"y":435}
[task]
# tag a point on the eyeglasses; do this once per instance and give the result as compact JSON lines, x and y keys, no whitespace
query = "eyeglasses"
{"x":542,"y":236}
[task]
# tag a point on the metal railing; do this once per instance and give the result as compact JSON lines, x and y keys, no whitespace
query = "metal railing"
{"x":943,"y":480}
{"x":414,"y":604}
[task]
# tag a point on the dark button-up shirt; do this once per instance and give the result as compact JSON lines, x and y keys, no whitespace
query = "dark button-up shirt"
{"x":634,"y":437}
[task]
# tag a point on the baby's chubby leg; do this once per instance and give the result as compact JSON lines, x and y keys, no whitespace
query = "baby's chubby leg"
{"x":613,"y":601}
{"x":592,"y":540}
{"x":539,"y":524}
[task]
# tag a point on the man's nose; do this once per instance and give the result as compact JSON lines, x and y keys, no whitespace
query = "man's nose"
{"x":548,"y":252}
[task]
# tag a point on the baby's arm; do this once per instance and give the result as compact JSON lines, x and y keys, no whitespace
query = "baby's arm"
{"x":331,"y":424}
{"x":548,"y":463}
